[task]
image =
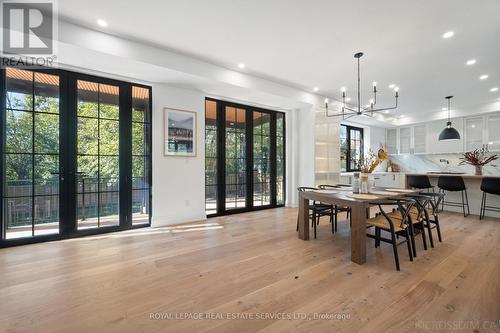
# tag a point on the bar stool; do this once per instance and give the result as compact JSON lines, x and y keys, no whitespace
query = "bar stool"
{"x":420,"y":182}
{"x":454,"y":184}
{"x":491,"y":186}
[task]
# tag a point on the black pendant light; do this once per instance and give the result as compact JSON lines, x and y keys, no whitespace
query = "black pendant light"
{"x":449,"y":133}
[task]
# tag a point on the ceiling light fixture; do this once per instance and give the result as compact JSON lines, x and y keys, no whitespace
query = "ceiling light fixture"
{"x":241,"y":65}
{"x":449,"y":133}
{"x":494,"y":89}
{"x":392,"y":85}
{"x":316,"y":89}
{"x":470,"y":62}
{"x":359,"y":110}
{"x":483,"y":77}
{"x":102,"y":23}
{"x":448,"y":34}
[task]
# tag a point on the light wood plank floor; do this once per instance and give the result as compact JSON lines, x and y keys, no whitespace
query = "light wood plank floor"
{"x":252,"y":264}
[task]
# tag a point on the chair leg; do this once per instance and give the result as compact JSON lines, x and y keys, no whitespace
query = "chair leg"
{"x":377,"y":237}
{"x":483,"y":203}
{"x":442,"y":201}
{"x":408,"y":245}
{"x":336,"y":217}
{"x":395,"y":249}
{"x":429,"y":231}
{"x":424,"y":240}
{"x":438,"y":227}
{"x":412,"y":238}
{"x":467,"y":202}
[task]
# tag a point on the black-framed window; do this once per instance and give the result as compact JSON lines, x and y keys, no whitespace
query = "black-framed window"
{"x":351,"y":147}
{"x":75,"y":154}
{"x":244,"y":158}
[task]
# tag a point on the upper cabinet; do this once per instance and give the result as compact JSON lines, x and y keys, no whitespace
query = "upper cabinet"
{"x":405,"y":140}
{"x":392,"y":140}
{"x":474,"y":129}
{"x":420,"y":139}
{"x":493,"y":136}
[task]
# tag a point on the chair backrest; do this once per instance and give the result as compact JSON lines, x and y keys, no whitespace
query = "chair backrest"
{"x":305,"y":188}
{"x":491,"y":185}
{"x":451,"y":183}
{"x":419,"y":181}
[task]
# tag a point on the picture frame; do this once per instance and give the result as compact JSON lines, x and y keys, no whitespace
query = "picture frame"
{"x":180,"y":132}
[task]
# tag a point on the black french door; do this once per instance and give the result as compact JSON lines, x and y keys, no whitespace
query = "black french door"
{"x":76,"y":155}
{"x":244,"y":158}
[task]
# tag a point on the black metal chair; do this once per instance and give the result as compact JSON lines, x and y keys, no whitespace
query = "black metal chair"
{"x":395,"y":222}
{"x":431,"y":214}
{"x":317,"y":209}
{"x":454,"y":184}
{"x":489,"y":185}
{"x":420,"y":182}
{"x":337,"y":209}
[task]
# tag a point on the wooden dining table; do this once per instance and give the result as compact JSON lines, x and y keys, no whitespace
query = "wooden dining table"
{"x":359,"y":205}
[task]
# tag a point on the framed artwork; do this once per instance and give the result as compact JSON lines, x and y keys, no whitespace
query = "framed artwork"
{"x":180,"y":132}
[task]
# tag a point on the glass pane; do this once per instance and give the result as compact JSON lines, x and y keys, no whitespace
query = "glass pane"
{"x":19,"y":84}
{"x":109,"y":209}
{"x":88,"y":136}
{"x":140,"y":104}
{"x":46,"y":215}
{"x":109,"y":173}
{"x":87,"y":98}
{"x":18,"y":217}
{"x":19,"y":132}
{"x":47,"y":133}
{"x":211,"y":115}
{"x":46,"y":177}
{"x":87,"y":210}
{"x":87,"y":167}
{"x":139,"y":176}
{"x":139,"y":139}
{"x":46,"y":93}
{"x":109,"y":137}
{"x":18,"y":174}
{"x":210,"y":143}
{"x":211,"y":199}
{"x":140,"y":207}
{"x":109,"y":101}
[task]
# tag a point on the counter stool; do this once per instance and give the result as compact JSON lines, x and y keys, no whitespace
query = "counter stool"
{"x":420,"y":182}
{"x":489,"y":185}
{"x":454,"y":184}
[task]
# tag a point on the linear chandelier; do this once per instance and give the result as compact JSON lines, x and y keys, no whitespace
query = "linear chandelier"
{"x":348,"y":112}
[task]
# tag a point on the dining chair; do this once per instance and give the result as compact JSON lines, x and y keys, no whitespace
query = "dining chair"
{"x":396,"y":223}
{"x":317,"y":209}
{"x":337,"y":209}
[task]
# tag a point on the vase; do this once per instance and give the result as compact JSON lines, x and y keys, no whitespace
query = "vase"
{"x":479,"y":170}
{"x":364,"y":183}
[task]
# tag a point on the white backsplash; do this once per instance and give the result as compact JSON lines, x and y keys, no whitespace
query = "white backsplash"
{"x":432,"y":162}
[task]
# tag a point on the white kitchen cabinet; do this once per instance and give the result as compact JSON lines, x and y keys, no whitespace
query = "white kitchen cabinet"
{"x":493,"y":132}
{"x":392,"y":140}
{"x":474,"y":129}
{"x":394,"y":180}
{"x":404,"y":140}
{"x":419,"y":139}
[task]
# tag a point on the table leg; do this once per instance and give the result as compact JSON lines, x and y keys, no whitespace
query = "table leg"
{"x":303,"y":218}
{"x":358,"y":234}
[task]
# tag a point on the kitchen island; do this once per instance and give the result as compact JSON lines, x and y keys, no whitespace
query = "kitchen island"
{"x":473,"y":185}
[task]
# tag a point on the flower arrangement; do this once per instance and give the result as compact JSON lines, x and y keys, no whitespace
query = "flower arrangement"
{"x":478,"y":158}
{"x":371,"y":161}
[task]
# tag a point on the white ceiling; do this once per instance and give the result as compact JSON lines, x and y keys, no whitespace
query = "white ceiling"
{"x":310,"y":44}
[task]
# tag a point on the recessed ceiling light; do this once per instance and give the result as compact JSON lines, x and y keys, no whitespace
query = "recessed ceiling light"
{"x":470,"y":62}
{"x":448,"y":34}
{"x":241,"y":65}
{"x":348,"y":99}
{"x":483,"y":77}
{"x":444,"y":109}
{"x":102,"y":23}
{"x":494,"y":89}
{"x":392,"y":85}
{"x":316,"y":89}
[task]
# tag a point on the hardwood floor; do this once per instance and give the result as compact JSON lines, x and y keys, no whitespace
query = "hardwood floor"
{"x":252,"y":264}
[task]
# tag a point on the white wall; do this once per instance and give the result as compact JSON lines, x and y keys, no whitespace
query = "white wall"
{"x":178,"y":182}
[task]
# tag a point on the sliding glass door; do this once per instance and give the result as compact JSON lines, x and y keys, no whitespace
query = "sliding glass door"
{"x":75,"y":155}
{"x":244,"y":158}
